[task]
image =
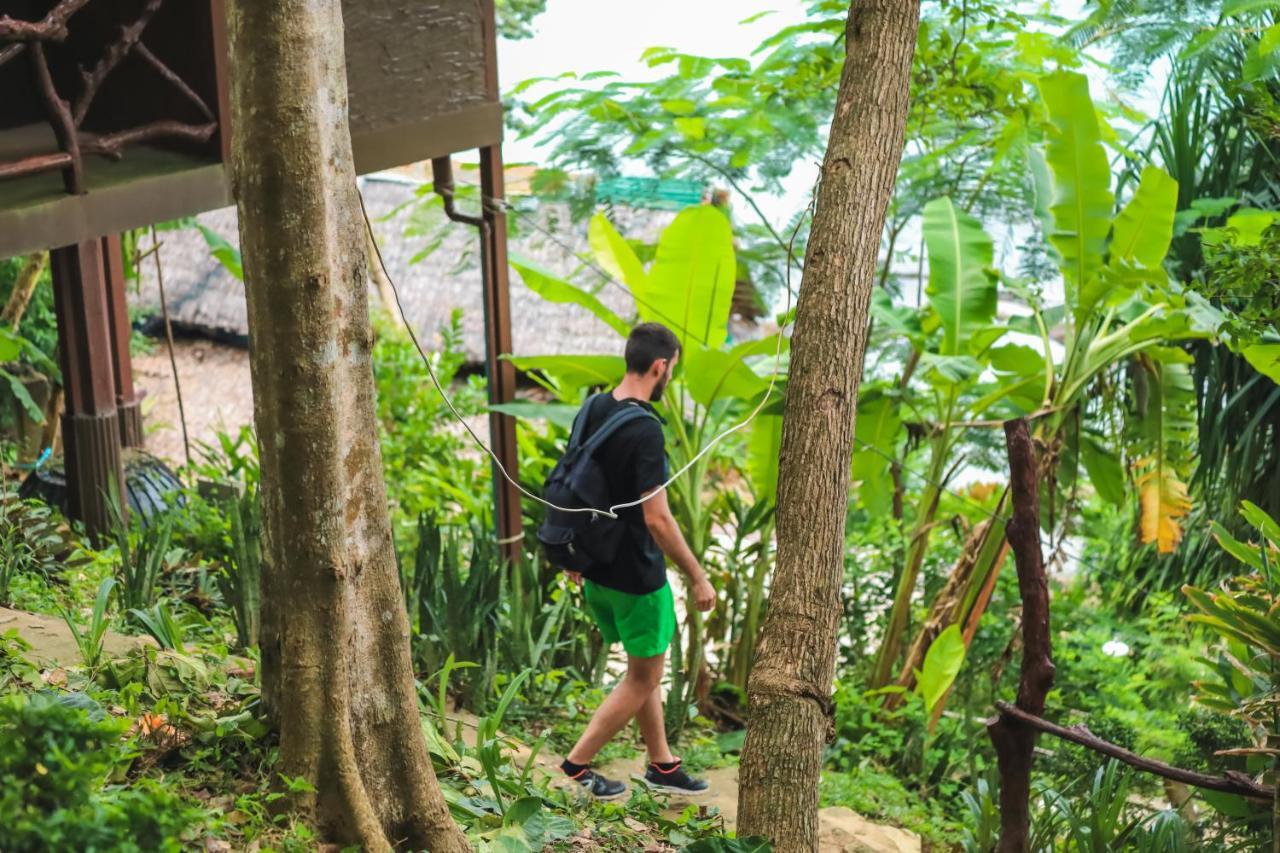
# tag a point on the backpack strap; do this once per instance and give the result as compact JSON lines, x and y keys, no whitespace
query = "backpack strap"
{"x":580,"y":421}
{"x":627,"y":414}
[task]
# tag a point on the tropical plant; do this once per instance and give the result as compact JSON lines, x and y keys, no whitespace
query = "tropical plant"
{"x":426,"y":467}
{"x":453,"y":608}
{"x":1102,"y":818}
{"x":158,"y":621}
{"x":90,"y":642}
{"x":240,"y":578}
{"x":1246,"y":671}
{"x":30,"y":540}
{"x":1215,"y":134}
{"x":1120,"y":306}
{"x":144,"y":553}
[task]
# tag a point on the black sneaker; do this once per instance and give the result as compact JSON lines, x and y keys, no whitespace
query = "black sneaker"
{"x":671,"y":779}
{"x":598,"y":786}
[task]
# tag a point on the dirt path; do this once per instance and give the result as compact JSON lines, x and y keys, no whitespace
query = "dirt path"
{"x":52,"y":643}
{"x":841,"y":830}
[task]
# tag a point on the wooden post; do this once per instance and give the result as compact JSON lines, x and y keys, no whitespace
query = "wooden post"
{"x":128,"y":403}
{"x":1013,"y":740}
{"x":497,"y":313}
{"x":91,"y":425}
{"x":497,"y":330}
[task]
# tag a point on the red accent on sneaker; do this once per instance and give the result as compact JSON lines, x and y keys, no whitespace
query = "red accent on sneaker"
{"x":673,"y":769}
{"x":578,"y":775}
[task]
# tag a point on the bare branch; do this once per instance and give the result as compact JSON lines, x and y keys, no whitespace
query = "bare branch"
{"x":109,"y":144}
{"x":129,"y":36}
{"x":59,"y":115}
{"x":144,"y":53}
{"x":52,"y":27}
{"x":1232,"y":783}
{"x":11,"y":51}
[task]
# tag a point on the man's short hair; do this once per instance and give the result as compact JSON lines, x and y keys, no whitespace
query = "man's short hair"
{"x":647,"y":343}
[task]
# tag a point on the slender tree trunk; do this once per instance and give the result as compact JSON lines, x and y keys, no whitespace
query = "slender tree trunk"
{"x":1015,"y":742}
{"x":23,"y":288}
{"x":790,"y":686}
{"x":335,"y":639}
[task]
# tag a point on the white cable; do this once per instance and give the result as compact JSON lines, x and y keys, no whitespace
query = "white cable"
{"x":611,"y":512}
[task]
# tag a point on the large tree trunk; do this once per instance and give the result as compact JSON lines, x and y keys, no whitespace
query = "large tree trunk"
{"x":335,"y":646}
{"x":790,"y":687}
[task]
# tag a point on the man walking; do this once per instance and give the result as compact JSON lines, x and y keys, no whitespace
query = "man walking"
{"x":629,"y":598}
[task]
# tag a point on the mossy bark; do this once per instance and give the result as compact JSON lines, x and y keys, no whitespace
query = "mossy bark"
{"x":790,"y":685}
{"x":337,"y":677}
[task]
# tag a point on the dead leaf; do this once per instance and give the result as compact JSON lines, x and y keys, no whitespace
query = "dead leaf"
{"x":54,"y":677}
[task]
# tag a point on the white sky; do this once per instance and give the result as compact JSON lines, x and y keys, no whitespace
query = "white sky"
{"x":591,"y":35}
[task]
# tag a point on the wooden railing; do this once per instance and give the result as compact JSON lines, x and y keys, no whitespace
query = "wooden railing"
{"x":19,"y":37}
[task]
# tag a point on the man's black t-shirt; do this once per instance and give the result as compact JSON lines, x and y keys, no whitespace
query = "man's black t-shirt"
{"x":634,"y":462}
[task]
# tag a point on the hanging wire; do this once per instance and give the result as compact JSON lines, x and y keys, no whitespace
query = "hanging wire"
{"x":168,"y":334}
{"x":496,"y":204}
{"x":612,"y":511}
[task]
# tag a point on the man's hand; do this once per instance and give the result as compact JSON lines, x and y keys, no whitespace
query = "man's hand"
{"x":704,"y":594}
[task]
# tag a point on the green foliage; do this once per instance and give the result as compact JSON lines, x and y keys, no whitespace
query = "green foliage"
{"x":428,"y":469}
{"x":463,"y":600}
{"x":453,"y":608}
{"x":515,"y":17}
{"x":54,"y":760}
{"x":16,"y":671}
{"x":962,"y":288}
{"x":158,"y":621}
{"x":941,"y":666}
{"x":144,"y":550}
{"x":1101,"y":818}
{"x":1245,"y":679}
{"x":30,"y":541}
{"x":39,"y":326}
{"x":240,"y":578}
{"x":1240,"y":270}
{"x":90,"y":642}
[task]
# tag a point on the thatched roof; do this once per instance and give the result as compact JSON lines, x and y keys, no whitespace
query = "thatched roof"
{"x":203,"y":296}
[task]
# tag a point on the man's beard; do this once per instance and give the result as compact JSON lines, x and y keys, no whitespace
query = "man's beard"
{"x":656,"y":394}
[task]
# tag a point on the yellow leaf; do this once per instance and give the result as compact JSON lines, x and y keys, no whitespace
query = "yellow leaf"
{"x":1164,"y":501}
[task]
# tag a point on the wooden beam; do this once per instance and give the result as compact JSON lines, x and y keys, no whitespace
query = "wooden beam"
{"x":128,"y":403}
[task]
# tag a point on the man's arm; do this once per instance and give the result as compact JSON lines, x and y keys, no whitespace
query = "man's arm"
{"x":662,"y":524}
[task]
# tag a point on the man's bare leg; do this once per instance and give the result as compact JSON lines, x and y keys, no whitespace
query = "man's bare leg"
{"x":653,"y":729}
{"x":620,"y":707}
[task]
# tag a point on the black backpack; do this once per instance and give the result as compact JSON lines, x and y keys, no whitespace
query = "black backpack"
{"x":581,"y":541}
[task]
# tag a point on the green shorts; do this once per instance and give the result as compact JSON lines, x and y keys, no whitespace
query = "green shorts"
{"x":644,"y":624}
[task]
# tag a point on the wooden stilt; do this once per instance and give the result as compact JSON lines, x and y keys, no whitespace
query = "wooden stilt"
{"x":91,"y":425}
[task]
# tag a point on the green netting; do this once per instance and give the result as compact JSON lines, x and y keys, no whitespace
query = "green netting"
{"x":650,"y":192}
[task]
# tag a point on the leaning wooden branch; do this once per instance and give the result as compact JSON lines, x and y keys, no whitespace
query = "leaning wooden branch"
{"x":1014,"y":742}
{"x":1232,"y":783}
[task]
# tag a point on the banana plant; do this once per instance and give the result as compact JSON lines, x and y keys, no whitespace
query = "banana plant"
{"x":1121,"y":308}
{"x":688,"y":287}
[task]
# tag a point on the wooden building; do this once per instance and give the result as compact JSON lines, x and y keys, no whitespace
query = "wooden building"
{"x":115,"y":116}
